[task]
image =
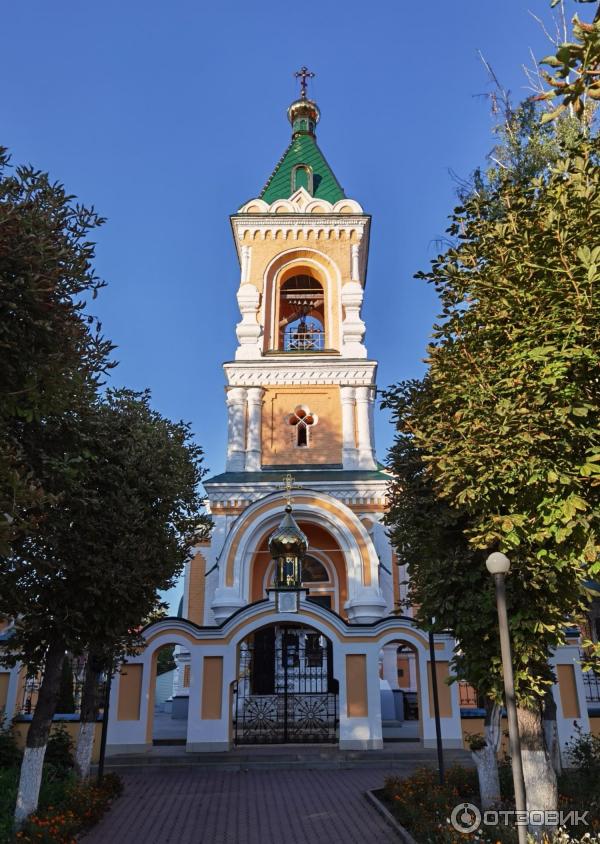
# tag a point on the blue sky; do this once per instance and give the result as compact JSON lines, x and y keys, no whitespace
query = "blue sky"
{"x":167,"y":116}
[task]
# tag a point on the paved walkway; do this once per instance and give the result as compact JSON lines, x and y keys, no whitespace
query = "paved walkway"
{"x":189,"y":805}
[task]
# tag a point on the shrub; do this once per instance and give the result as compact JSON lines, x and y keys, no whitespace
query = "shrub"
{"x":10,"y":755}
{"x":583,"y":752}
{"x":59,"y":752}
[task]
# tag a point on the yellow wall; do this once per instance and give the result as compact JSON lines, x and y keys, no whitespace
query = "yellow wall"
{"x":212,"y":687}
{"x":442,"y":673}
{"x":325,"y":437}
{"x":22,"y":728}
{"x":595,"y":725}
{"x":568,"y":691}
{"x":196,"y":585}
{"x":357,"y":701}
{"x":130,"y":692}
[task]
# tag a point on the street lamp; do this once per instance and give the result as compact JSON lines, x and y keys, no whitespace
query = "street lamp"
{"x":498,"y":565}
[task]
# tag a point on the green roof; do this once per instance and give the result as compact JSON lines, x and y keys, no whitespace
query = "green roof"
{"x":301,"y":476}
{"x":302,"y":150}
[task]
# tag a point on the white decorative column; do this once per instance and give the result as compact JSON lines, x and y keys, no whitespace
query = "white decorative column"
{"x":349,"y":452}
{"x":248,"y":330}
{"x":366,"y":458}
{"x":181,"y":691}
{"x":236,"y":429}
{"x":390,"y":665}
{"x":353,"y":328}
{"x":254,"y":440}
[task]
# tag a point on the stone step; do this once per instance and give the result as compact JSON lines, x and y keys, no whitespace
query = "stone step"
{"x":402,"y":756}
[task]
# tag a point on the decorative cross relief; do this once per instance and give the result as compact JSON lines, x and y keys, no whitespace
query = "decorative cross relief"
{"x":288,"y":485}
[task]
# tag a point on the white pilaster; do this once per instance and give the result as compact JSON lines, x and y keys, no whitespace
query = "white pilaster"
{"x":366,"y":458}
{"x":355,"y":267}
{"x":236,"y":429}
{"x":246,"y":253}
{"x":349,"y":451}
{"x":254,"y":440}
{"x":390,"y":665}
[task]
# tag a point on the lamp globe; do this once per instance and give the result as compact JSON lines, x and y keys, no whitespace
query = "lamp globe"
{"x":497,"y":563}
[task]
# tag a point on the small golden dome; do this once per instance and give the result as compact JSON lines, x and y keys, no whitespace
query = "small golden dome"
{"x":288,"y":540}
{"x":304,"y":108}
{"x":304,"y":115}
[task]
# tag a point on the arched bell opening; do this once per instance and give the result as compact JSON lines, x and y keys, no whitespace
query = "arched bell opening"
{"x":401,"y":709}
{"x":301,"y":317}
{"x":285,"y":691}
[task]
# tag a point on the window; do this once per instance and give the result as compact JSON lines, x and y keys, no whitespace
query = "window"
{"x":302,"y":175}
{"x":301,"y":421}
{"x":313,"y":571}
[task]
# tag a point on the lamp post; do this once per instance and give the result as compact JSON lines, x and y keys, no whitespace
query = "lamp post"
{"x":436,"y":705}
{"x":498,"y":565}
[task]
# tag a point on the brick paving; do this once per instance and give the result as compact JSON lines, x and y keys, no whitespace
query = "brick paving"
{"x":189,"y":805}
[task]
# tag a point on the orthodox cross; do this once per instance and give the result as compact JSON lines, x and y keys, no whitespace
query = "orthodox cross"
{"x":304,"y":74}
{"x":288,"y":485}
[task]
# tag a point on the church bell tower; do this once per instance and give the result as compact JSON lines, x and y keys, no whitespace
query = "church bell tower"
{"x":300,"y":391}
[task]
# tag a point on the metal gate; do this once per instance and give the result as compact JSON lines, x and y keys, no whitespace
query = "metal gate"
{"x":285,"y":690}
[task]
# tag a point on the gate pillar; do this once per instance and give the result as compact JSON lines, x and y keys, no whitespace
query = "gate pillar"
{"x":360,"y":704}
{"x":209,"y":716}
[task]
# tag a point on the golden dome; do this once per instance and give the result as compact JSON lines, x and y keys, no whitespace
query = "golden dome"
{"x":304,"y":115}
{"x":288,"y":540}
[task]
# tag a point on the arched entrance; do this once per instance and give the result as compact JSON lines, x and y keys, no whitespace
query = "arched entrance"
{"x":285,"y":691}
{"x":401,"y":705}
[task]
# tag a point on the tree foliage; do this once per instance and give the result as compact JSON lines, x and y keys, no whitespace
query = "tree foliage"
{"x":505,"y":426}
{"x":574,"y":78}
{"x":51,"y":348}
{"x":119,"y":532}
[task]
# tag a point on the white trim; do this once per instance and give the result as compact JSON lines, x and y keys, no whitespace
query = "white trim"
{"x":316,"y":370}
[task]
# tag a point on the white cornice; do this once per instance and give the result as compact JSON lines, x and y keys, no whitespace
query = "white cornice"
{"x":275,"y":371}
{"x":355,"y":493}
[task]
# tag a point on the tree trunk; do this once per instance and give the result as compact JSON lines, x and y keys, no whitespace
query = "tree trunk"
{"x":88,"y":717}
{"x":540,"y":779}
{"x":551,"y":733}
{"x":37,"y":737}
{"x":486,"y":758}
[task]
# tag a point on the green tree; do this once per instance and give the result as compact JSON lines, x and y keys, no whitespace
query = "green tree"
{"x":120,"y":532}
{"x":166,"y":660}
{"x":506,"y":425}
{"x":51,"y":347}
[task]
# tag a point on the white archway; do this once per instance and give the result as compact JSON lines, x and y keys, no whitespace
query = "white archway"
{"x":365,"y":602}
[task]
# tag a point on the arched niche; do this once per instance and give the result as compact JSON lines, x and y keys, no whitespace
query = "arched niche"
{"x":324,"y":549}
{"x":298,"y":262}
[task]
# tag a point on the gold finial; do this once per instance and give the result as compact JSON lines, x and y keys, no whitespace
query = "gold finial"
{"x":288,"y":485}
{"x":304,"y":74}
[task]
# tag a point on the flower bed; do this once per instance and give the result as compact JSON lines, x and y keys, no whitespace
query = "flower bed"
{"x":424,"y":807}
{"x":66,"y":808}
{"x":81,"y":808}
